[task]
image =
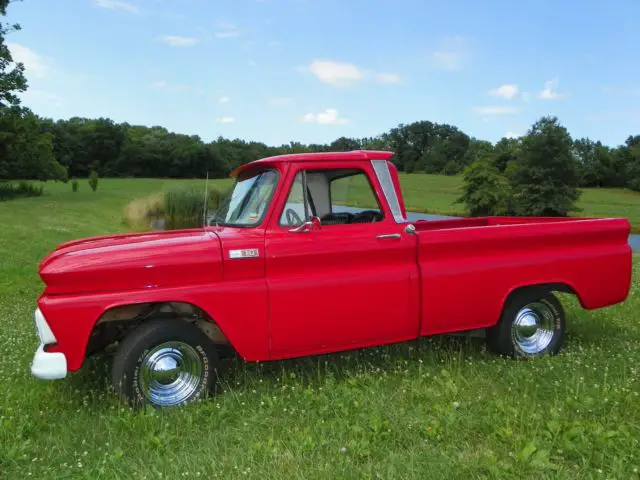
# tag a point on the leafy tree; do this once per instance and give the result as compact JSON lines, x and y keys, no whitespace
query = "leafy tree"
{"x":545,"y":180}
{"x":631,"y":153}
{"x":596,"y":164}
{"x":506,"y":152}
{"x":25,"y":151}
{"x":344,"y":144}
{"x":486,"y":190}
{"x":12,"y":79}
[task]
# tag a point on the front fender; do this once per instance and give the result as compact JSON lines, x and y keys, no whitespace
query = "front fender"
{"x":238,"y":308}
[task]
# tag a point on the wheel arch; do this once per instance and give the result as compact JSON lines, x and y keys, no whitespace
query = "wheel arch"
{"x":117,"y":320}
{"x":543,"y":287}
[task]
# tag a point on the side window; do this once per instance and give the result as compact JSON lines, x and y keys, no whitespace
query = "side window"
{"x":351,"y":193}
{"x":293,"y":213}
{"x":337,"y":196}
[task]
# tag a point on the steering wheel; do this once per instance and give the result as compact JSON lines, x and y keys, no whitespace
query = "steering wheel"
{"x":367,"y":216}
{"x":292,"y":217}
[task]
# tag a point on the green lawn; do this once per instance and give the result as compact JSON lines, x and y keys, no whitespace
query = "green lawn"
{"x":437,"y":408}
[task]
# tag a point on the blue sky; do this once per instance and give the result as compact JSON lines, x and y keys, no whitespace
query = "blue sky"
{"x":314,"y":70}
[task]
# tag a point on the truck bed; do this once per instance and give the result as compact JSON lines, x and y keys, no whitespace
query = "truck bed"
{"x":469,"y":266}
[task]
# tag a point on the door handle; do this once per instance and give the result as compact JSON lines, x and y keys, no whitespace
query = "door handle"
{"x":389,"y":235}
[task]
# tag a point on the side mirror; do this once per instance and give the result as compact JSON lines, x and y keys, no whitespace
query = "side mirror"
{"x":312,"y":224}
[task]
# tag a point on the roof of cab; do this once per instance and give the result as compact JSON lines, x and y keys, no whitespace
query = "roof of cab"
{"x":311,"y":156}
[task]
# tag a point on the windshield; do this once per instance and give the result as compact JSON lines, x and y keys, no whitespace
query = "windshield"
{"x":247,"y":202}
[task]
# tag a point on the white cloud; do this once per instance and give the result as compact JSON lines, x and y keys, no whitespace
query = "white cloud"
{"x":177,"y":41}
{"x":116,"y":5}
{"x":226,"y":30}
{"x":280,"y":101}
{"x":549,"y":92}
{"x":34,"y":64}
{"x":388,"y":78}
{"x":450,"y":54}
{"x":225,"y":120}
{"x":496,"y":110}
{"x":512,"y":135}
{"x":344,"y":74}
{"x":223,"y":99}
{"x":507,"y":91}
{"x":336,"y":73}
{"x":329,"y":117}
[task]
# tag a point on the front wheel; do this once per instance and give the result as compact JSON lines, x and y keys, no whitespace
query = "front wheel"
{"x":532,"y":324}
{"x":165,"y":363}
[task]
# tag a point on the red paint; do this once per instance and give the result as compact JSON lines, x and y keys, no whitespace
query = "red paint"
{"x":336,"y":287}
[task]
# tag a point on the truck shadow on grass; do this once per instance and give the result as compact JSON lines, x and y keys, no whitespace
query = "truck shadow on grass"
{"x":236,"y":374}
{"x":452,"y":352}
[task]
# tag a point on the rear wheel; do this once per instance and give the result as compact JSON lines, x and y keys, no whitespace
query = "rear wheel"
{"x":532,"y":324}
{"x":165,"y":363}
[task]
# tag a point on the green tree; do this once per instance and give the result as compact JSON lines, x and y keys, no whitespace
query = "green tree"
{"x":12,"y":79}
{"x":25,"y":151}
{"x":631,"y":152}
{"x":485,"y":190}
{"x":545,"y":180}
{"x":506,"y":153}
{"x":595,"y":163}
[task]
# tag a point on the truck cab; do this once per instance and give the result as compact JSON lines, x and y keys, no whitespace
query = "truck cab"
{"x":310,"y":254}
{"x":333,"y":243}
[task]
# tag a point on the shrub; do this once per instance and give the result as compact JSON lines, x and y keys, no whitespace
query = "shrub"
{"x":74,"y":185}
{"x":184,"y":206}
{"x":93,"y":180}
{"x":29,"y":190}
{"x":22,"y":189}
{"x":141,"y":213}
{"x":485,"y":191}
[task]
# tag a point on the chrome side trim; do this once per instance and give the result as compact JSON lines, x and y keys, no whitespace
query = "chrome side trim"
{"x":381,"y":168}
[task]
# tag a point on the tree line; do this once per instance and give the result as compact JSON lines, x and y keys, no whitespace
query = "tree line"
{"x":41,"y":148}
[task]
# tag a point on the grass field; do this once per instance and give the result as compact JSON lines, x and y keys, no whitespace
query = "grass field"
{"x":437,"y":408}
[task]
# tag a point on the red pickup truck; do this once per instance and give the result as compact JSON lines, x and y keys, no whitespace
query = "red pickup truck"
{"x":291,"y":265}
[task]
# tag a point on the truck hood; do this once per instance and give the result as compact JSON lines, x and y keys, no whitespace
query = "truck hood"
{"x":133,"y":261}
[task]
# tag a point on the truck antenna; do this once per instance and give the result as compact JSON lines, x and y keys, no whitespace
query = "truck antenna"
{"x":204,"y":212}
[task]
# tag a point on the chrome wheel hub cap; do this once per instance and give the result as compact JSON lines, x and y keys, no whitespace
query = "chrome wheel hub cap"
{"x":533,"y":328}
{"x":170,"y":373}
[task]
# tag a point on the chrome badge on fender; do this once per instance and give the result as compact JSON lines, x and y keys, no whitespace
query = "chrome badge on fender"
{"x":244,"y":253}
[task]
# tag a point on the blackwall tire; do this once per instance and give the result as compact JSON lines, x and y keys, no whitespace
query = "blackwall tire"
{"x":532,"y":325}
{"x":165,"y":363}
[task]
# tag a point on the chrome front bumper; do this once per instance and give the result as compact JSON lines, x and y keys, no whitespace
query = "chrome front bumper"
{"x":47,"y":365}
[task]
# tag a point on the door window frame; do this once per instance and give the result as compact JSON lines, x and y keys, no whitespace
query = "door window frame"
{"x":364,"y":168}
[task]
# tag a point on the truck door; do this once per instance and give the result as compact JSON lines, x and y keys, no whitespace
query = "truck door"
{"x":347,"y":281}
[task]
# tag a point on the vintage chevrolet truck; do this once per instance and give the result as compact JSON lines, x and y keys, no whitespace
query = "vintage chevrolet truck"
{"x":291,"y":265}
